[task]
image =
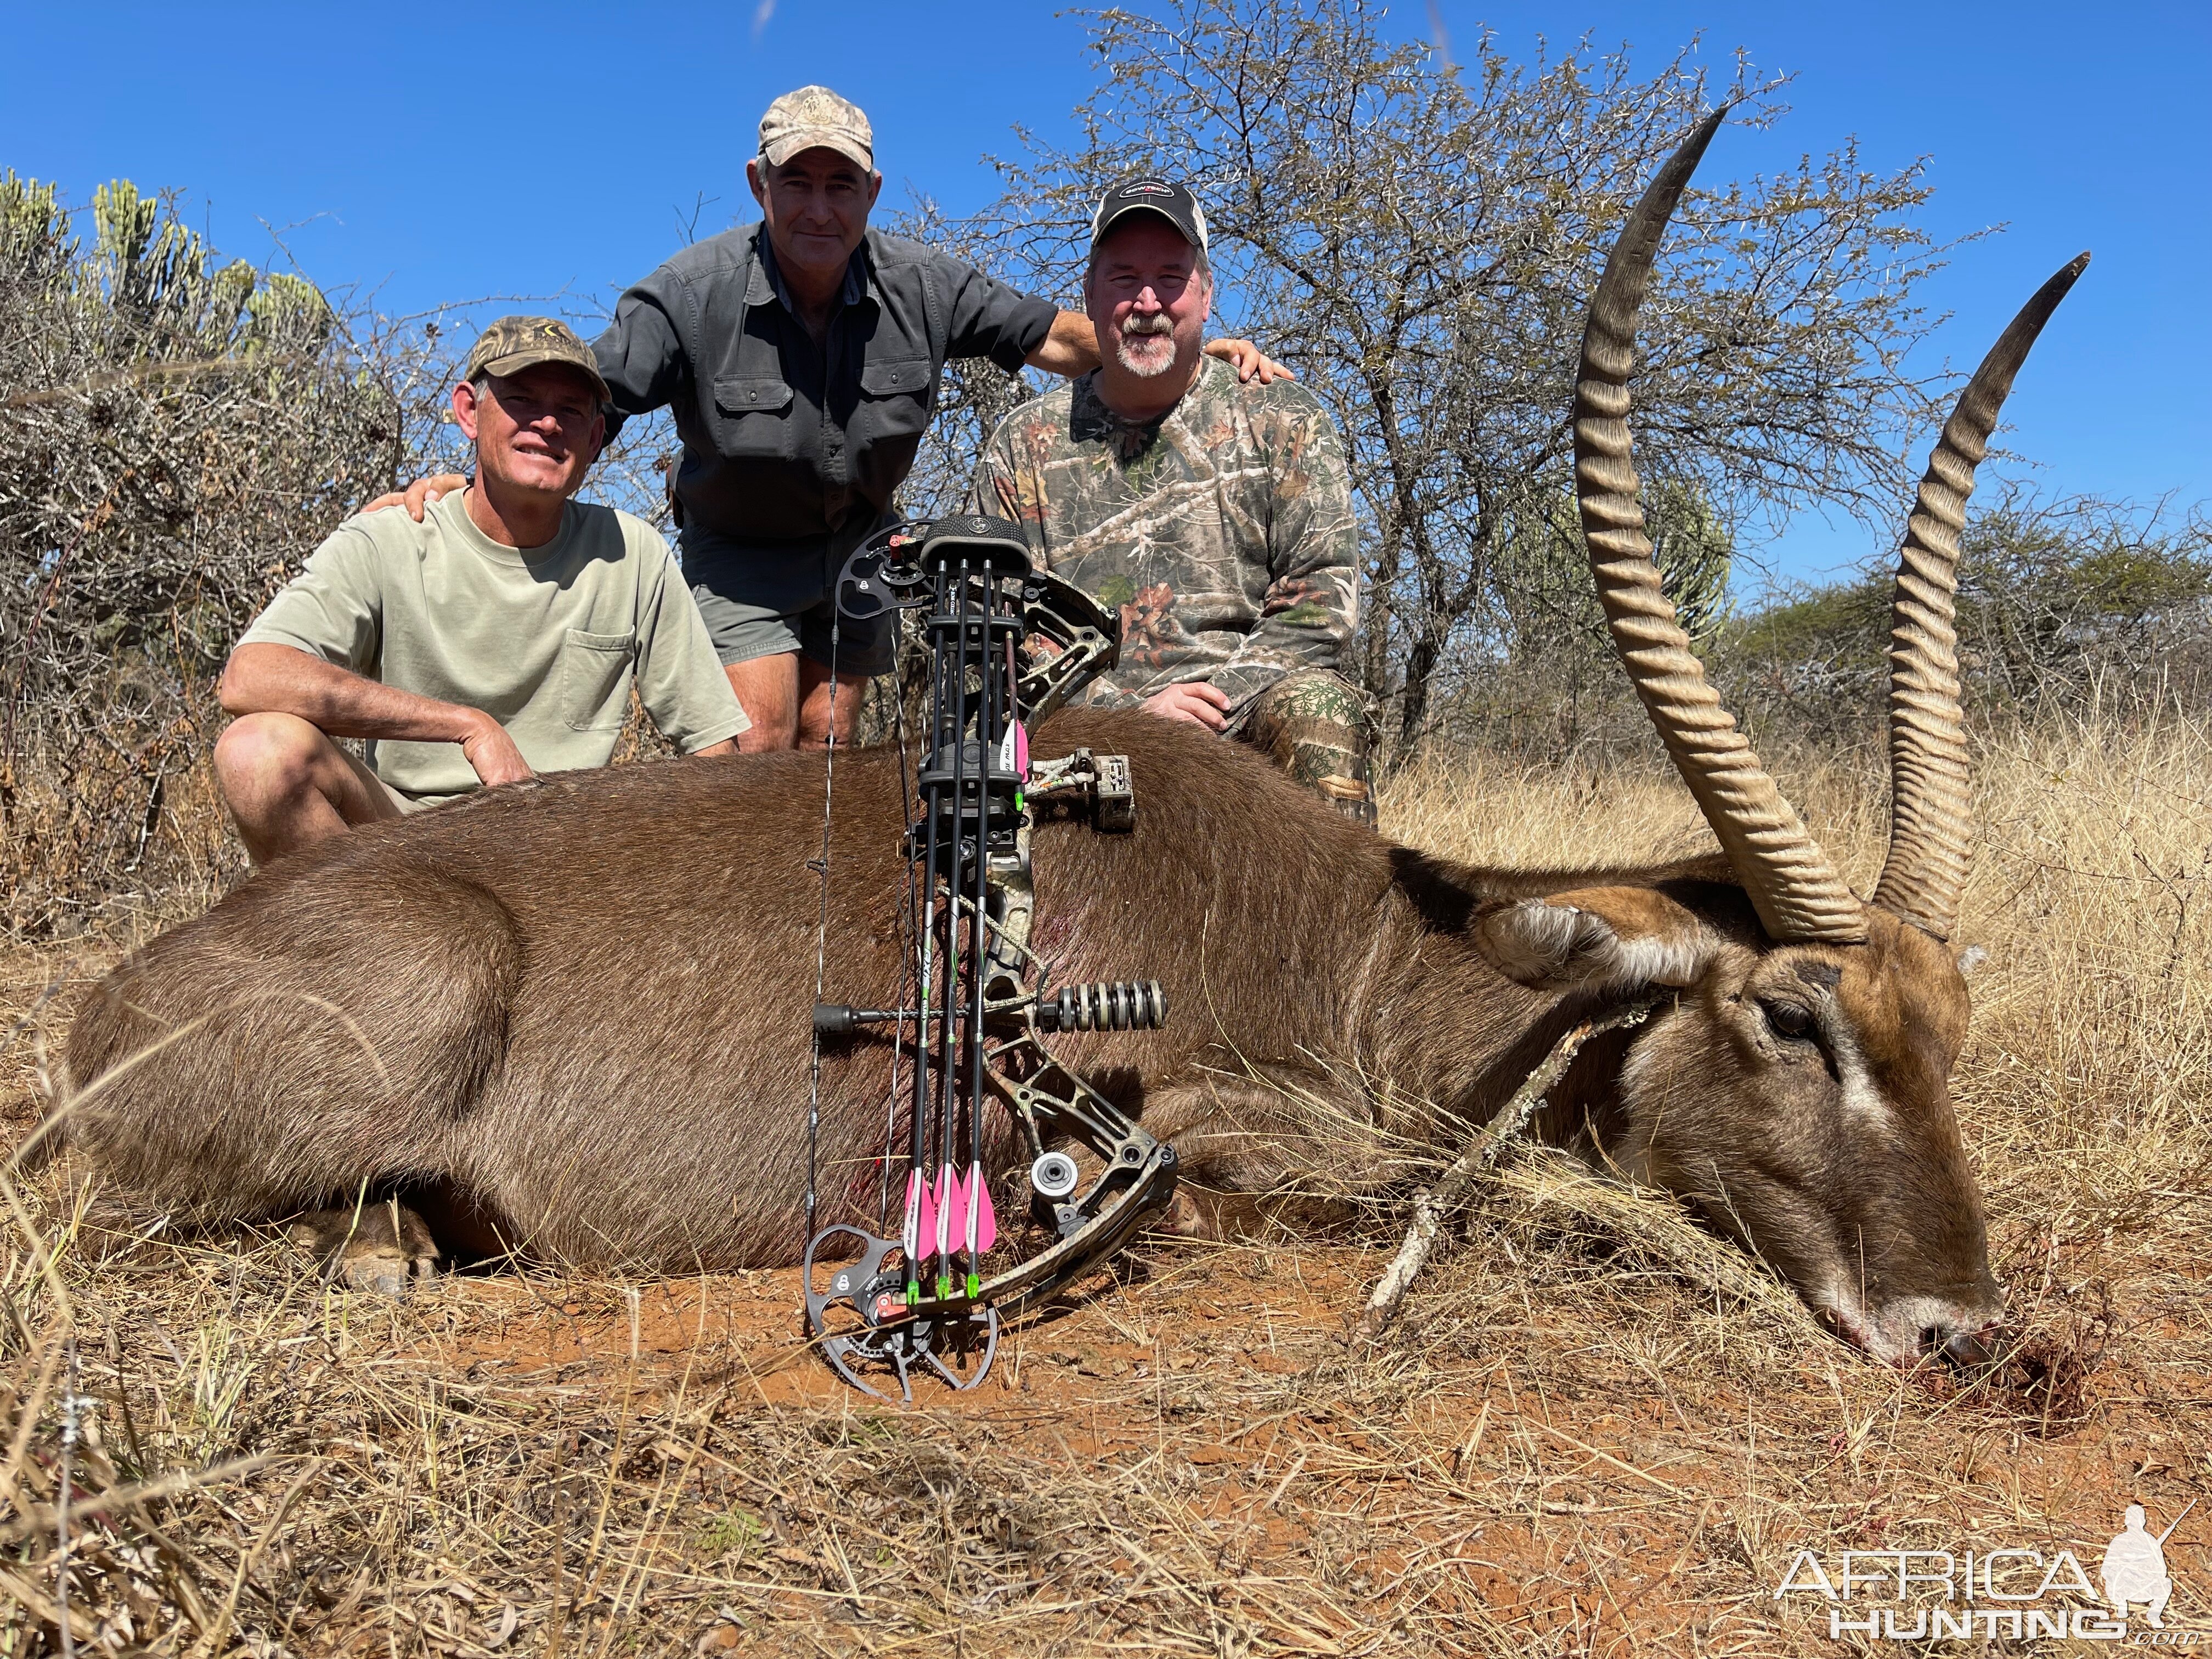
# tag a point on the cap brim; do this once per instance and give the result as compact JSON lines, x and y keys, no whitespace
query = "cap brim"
{"x":791,"y":143}
{"x":515,"y":362}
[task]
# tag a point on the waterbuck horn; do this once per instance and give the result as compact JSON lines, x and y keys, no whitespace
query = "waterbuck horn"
{"x":1795,"y":889}
{"x":1929,"y":817}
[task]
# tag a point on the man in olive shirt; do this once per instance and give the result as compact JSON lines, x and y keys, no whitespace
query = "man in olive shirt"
{"x":801,"y":357}
{"x":496,"y":639}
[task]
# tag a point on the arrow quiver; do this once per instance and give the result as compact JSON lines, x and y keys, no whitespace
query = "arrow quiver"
{"x":1008,"y":645}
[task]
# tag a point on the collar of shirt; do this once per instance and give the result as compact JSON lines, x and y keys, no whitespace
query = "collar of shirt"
{"x":1089,"y":417}
{"x":452,"y":513}
{"x":767,"y":287}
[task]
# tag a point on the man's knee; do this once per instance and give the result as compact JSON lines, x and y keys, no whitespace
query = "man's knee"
{"x":824,"y":701}
{"x":1314,"y":725}
{"x":262,"y":758}
{"x":767,"y":689}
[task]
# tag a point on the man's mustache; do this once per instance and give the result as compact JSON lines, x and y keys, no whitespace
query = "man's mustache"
{"x":1158,"y":322}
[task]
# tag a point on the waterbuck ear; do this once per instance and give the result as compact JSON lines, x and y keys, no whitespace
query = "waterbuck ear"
{"x":1594,"y":938}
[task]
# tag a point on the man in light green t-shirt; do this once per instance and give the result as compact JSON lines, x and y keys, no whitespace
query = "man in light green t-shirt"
{"x":496,"y":639}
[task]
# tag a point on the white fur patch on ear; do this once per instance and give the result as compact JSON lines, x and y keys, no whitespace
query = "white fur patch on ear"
{"x":1533,"y":942}
{"x":1550,"y":946}
{"x":1971,"y":958}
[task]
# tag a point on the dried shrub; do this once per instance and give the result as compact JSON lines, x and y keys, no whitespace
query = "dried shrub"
{"x":176,"y":433}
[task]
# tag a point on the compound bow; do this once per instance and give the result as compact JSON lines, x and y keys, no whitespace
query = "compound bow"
{"x":1008,"y":645}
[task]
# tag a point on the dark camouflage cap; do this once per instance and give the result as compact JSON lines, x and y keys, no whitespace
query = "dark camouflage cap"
{"x":515,"y":343}
{"x":816,"y":116}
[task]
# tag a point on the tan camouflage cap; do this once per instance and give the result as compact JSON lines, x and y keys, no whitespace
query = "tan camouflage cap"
{"x":811,"y":116}
{"x":515,"y":343}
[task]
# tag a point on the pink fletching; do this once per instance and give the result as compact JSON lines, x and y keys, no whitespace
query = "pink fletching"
{"x":1021,"y":749}
{"x":921,"y":1211}
{"x":951,"y":1210}
{"x":982,"y":1221}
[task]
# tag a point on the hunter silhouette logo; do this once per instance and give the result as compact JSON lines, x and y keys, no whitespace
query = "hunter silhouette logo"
{"x":2135,"y":1566}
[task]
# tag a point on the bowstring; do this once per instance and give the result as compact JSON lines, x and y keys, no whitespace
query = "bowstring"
{"x":822,"y":924}
{"x":910,"y":954}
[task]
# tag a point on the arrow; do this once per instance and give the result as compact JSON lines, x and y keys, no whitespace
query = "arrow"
{"x":951,"y":1209}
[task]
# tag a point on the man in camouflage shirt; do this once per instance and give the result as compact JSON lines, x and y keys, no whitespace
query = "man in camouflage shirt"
{"x":1216,"y":514}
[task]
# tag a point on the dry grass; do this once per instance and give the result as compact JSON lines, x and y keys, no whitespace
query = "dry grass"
{"x":1593,"y":1430}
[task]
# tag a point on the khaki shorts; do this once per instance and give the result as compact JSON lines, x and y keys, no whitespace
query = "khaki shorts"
{"x":402,"y":804}
{"x":742,"y":632}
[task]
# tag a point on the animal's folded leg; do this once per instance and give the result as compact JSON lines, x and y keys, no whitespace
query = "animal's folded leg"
{"x":1273,"y":1149}
{"x":380,"y":1246}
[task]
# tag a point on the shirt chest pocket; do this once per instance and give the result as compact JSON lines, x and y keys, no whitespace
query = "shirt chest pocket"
{"x":752,"y":417}
{"x":894,"y":401}
{"x":593,"y":679}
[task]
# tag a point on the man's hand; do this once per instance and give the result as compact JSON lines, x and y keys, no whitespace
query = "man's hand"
{"x":493,"y":754}
{"x":1246,"y":358}
{"x":418,"y":495}
{"x":1193,"y":700}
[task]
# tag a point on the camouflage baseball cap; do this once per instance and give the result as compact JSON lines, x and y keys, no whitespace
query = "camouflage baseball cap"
{"x":811,"y":116}
{"x":515,"y":343}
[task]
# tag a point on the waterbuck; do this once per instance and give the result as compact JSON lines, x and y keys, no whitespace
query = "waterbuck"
{"x":583,"y":1007}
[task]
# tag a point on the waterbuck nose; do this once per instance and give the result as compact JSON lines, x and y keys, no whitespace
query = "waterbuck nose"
{"x":1968,"y":1347}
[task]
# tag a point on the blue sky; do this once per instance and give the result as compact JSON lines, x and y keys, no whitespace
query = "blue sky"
{"x":434,"y":154}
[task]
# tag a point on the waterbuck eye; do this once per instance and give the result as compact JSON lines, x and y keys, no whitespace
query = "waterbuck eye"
{"x":1790,"y":1020}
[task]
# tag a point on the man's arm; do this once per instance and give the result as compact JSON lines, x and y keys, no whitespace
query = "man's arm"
{"x":679,"y":679}
{"x":1072,"y":349}
{"x":1312,"y":600}
{"x":995,"y":491}
{"x":263,"y":678}
{"x":998,"y":492}
{"x":642,"y":353}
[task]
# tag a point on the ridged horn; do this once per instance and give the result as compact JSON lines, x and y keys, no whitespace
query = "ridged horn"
{"x":1930,"y":817}
{"x":1792,"y":884}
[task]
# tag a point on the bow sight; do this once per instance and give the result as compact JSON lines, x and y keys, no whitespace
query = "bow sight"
{"x":1008,"y":645}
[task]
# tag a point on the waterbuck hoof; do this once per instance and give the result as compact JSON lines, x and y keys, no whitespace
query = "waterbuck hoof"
{"x":384,"y":1272}
{"x":383,"y":1247}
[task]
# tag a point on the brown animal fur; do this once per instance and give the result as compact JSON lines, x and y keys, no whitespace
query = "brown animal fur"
{"x":584,"y":1006}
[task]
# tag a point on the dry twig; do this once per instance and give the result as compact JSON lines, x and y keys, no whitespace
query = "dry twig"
{"x":1431,"y":1205}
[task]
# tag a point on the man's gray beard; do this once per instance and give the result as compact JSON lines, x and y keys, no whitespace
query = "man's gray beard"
{"x":1147,"y":368}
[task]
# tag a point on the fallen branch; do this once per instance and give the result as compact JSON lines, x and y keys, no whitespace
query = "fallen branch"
{"x":1431,"y":1205}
